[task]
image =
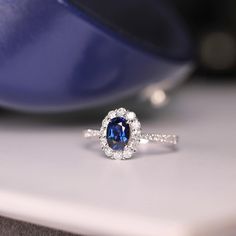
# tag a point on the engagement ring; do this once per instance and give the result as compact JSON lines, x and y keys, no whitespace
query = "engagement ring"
{"x":120,"y":135}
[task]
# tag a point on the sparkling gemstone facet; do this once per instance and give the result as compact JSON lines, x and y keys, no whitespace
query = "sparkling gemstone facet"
{"x":118,"y":133}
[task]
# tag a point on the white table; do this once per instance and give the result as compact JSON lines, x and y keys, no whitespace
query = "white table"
{"x":50,"y":176}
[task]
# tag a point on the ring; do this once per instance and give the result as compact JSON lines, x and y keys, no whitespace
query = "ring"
{"x":120,"y":134}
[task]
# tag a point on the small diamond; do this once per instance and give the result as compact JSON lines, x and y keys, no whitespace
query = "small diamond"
{"x":121,"y":111}
{"x":118,"y":155}
{"x":103,"y":141}
{"x":103,"y":132}
{"x":112,"y":114}
{"x":105,"y":122}
{"x":136,"y":124}
{"x":131,"y":115}
{"x":134,"y":144}
{"x":108,"y":151}
{"x":136,"y":132}
{"x":87,"y":133}
{"x":128,"y":153}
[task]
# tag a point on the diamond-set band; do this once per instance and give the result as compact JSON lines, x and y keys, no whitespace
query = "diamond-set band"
{"x":162,"y":138}
{"x":120,"y":134}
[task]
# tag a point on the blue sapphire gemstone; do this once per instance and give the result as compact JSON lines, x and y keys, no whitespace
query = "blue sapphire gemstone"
{"x":118,"y":133}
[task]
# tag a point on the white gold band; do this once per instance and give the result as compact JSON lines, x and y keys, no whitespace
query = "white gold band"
{"x":149,"y":137}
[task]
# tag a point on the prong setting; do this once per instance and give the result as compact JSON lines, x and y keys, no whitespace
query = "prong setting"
{"x":134,"y":138}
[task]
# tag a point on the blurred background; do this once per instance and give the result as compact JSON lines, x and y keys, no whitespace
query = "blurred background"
{"x":212,"y":26}
{"x":60,"y":56}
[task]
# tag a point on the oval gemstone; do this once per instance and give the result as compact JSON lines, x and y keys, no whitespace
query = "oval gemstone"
{"x":118,"y":133}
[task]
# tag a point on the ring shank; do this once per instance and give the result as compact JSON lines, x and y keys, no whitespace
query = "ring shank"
{"x":160,"y":138}
{"x":90,"y":133}
{"x":145,"y":138}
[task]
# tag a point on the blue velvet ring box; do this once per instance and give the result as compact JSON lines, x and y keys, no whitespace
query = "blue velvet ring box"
{"x":64,"y":55}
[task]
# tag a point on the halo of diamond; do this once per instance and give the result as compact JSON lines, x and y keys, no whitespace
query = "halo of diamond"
{"x":134,"y":139}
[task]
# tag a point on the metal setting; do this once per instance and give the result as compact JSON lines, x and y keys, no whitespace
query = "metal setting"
{"x":136,"y":136}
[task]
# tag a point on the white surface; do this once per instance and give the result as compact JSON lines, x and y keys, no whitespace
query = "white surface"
{"x":50,"y":176}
